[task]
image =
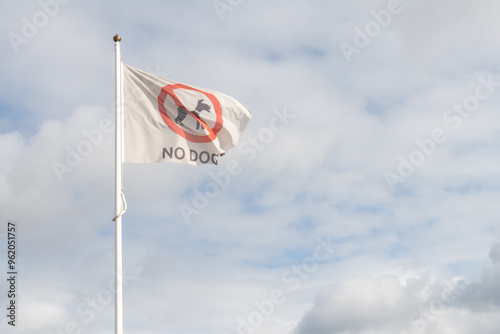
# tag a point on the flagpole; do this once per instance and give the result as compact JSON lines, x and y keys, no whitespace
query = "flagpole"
{"x":119,"y":209}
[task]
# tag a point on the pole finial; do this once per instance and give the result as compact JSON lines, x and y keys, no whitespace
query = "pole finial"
{"x":117,"y":38}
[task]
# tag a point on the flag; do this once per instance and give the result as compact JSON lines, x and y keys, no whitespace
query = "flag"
{"x":169,"y":121}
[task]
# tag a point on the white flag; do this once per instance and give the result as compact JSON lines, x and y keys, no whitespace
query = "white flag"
{"x":168,"y":121}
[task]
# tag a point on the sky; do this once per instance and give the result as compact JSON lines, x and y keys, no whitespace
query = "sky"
{"x":362,"y":197}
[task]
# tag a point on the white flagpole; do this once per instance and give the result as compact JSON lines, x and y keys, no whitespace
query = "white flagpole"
{"x":119,"y":203}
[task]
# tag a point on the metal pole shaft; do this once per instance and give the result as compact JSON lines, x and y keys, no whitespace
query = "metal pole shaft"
{"x":118,"y":187}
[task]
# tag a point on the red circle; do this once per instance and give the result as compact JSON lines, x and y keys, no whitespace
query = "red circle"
{"x":169,"y":90}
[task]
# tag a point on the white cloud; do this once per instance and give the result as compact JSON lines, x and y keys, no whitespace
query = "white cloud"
{"x":393,"y":304}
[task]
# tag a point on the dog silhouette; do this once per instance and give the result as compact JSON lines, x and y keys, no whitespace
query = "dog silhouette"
{"x":182,"y":113}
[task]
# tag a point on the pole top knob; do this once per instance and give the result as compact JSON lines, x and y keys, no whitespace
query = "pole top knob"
{"x":117,"y":38}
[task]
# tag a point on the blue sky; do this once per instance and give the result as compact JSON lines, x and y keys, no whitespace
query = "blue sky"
{"x":366,"y":195}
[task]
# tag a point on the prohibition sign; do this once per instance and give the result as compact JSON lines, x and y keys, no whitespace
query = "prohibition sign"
{"x":212,"y":133}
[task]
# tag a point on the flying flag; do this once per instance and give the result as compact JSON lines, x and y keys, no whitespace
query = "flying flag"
{"x":157,"y":119}
{"x":169,"y":121}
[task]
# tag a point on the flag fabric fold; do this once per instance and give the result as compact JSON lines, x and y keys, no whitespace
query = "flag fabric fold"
{"x":169,"y":121}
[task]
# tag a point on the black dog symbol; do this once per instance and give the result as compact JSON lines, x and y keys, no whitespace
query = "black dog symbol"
{"x":181,"y":113}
